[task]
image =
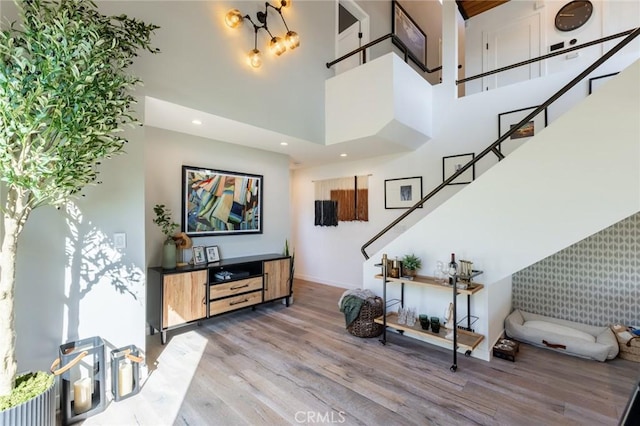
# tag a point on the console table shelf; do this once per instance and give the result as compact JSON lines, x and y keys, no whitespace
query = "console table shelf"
{"x":460,"y":337}
{"x":466,"y":339}
{"x":431,"y":282}
{"x":181,"y":296}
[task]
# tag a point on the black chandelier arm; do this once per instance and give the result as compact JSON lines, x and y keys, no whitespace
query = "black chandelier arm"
{"x":268,"y":5}
{"x":255,"y":37}
{"x":251,"y":20}
{"x":267,"y":29}
{"x":283,"y":21}
{"x":257,"y":27}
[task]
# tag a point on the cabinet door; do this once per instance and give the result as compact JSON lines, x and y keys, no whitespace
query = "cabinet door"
{"x":184,"y":298}
{"x":276,"y":278}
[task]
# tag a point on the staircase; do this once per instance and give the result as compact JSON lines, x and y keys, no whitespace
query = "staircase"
{"x":576,"y":177}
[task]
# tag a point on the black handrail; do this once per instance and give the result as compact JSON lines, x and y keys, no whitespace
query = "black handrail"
{"x":395,"y":38}
{"x":491,"y":148}
{"x":547,"y":56}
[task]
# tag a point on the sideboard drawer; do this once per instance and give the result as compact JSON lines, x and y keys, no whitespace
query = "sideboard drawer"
{"x":216,"y":291}
{"x":232,"y":303}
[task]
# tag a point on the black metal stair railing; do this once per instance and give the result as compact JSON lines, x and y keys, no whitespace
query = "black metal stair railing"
{"x":403,"y":47}
{"x":547,"y":56}
{"x":493,"y":147}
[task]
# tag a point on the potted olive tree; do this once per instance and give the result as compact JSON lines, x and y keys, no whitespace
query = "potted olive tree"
{"x":65,"y":95}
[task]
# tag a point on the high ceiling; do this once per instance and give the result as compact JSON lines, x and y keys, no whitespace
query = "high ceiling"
{"x":471,"y":8}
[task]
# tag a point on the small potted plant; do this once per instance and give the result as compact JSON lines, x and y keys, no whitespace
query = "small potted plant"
{"x":168,"y":227}
{"x":410,"y":264}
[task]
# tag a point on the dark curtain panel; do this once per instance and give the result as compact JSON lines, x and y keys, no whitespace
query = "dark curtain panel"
{"x":326,"y":213}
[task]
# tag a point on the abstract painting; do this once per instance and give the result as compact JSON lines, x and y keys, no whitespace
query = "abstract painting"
{"x":218,"y":202}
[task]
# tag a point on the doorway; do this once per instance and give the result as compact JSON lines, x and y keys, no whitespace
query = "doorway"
{"x":352,"y":32}
{"x":512,"y":43}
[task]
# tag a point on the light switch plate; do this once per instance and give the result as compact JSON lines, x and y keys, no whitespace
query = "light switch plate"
{"x":120,"y":240}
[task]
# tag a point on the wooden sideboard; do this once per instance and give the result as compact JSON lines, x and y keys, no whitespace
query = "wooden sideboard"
{"x":181,"y":296}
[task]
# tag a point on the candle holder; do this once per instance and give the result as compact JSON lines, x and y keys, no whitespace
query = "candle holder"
{"x":125,"y":372}
{"x":82,"y":378}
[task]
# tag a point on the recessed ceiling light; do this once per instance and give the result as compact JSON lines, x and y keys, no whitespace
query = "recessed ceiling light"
{"x":343,"y":155}
{"x":284,"y":143}
{"x":196,"y":122}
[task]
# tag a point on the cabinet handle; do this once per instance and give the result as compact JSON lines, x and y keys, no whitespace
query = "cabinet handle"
{"x":266,"y":281}
{"x":240,"y":286}
{"x":239,"y":301}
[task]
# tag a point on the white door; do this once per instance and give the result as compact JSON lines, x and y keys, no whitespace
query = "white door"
{"x":355,"y":34}
{"x":507,"y":45}
{"x":348,"y":41}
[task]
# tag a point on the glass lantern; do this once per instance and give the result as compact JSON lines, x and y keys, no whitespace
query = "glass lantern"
{"x":125,"y":372}
{"x":82,"y":378}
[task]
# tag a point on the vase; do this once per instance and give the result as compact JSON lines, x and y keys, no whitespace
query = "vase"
{"x":169,"y":255}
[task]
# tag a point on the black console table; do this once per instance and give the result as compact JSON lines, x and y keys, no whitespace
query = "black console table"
{"x":181,"y":296}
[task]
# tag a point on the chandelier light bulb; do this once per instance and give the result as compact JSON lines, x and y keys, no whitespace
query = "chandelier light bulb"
{"x":285,"y":4}
{"x":292,"y":39}
{"x":233,"y":18}
{"x":277,"y":46}
{"x":254,"y":58}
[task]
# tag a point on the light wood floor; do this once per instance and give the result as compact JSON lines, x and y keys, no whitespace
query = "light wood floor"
{"x":298,"y":365}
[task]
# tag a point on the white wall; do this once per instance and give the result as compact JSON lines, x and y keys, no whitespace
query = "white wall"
{"x":203,"y":62}
{"x":608,"y":18}
{"x":387,"y":101}
{"x":166,"y":152}
{"x":71,"y":281}
{"x":566,"y":183}
{"x":461,"y":125}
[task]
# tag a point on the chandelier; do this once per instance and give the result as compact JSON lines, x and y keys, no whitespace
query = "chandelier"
{"x":277,"y":45}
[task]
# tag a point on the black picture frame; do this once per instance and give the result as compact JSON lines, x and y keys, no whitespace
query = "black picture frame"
{"x":452,"y":163}
{"x":596,"y":82}
{"x":507,"y":120}
{"x":409,"y":32}
{"x":402,"y":193}
{"x":221,"y":202}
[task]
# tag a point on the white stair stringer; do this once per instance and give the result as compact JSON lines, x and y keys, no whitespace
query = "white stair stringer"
{"x":576,"y":177}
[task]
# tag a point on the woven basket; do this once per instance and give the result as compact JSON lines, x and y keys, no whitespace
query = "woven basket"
{"x":364,"y":326}
{"x":629,"y":349}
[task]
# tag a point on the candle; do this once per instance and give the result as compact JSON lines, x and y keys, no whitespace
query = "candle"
{"x":82,"y":395}
{"x":125,"y":377}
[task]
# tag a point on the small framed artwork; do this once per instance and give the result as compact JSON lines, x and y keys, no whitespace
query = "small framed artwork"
{"x":596,"y":82}
{"x":198,"y":255}
{"x":453,"y":163}
{"x":213,"y":254}
{"x":508,"y":120}
{"x":409,"y":33}
{"x":402,"y":193}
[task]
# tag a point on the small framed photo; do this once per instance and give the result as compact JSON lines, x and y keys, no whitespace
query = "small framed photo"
{"x":453,"y":163}
{"x":213,"y":255}
{"x":402,"y":193}
{"x":198,"y":255}
{"x":508,"y":120}
{"x":596,"y":82}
